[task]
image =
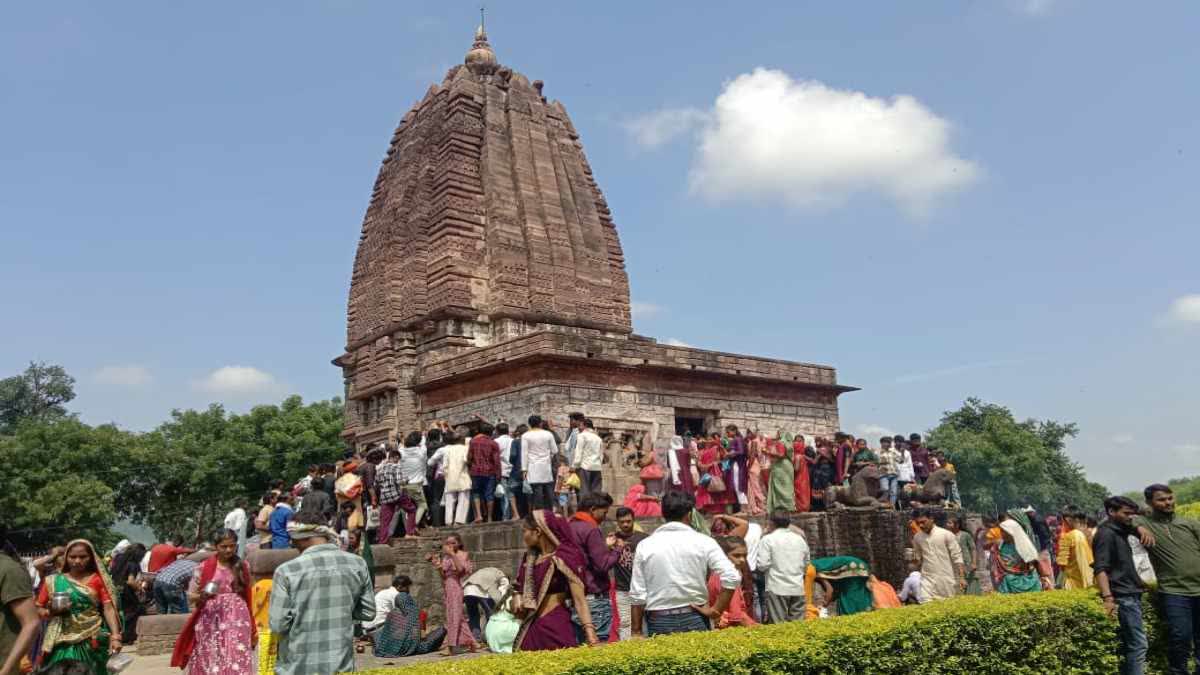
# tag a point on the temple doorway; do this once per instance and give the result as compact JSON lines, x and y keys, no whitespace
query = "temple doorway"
{"x":694,"y":422}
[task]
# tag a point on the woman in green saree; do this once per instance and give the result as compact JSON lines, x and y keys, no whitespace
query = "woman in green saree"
{"x":845,"y":579}
{"x":89,"y":630}
{"x":781,"y":485}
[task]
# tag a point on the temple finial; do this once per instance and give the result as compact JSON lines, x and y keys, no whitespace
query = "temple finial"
{"x":481,"y":58}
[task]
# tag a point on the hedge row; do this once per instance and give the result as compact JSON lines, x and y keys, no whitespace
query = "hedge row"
{"x":1035,"y":633}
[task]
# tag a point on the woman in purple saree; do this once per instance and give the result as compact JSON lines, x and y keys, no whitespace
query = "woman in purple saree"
{"x":551,"y":572}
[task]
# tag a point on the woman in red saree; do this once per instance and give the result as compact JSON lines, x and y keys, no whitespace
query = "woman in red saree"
{"x":220,"y":637}
{"x":803,"y":485}
{"x":551,"y":572}
{"x":710,"y":466}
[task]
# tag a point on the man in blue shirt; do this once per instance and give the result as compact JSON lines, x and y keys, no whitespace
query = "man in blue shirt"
{"x":279,"y":522}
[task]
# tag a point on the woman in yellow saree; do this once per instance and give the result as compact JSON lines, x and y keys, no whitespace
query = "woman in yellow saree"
{"x":88,"y":630}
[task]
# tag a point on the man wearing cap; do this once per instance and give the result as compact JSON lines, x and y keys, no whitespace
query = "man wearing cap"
{"x":315,"y":600}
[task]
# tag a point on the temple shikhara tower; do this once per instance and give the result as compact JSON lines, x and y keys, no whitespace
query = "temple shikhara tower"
{"x":490,"y":280}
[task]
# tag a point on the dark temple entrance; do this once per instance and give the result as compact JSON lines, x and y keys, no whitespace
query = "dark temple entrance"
{"x":694,"y":422}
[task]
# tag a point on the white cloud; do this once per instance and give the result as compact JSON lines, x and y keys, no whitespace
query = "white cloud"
{"x":663,"y":126}
{"x":1034,"y":7}
{"x":872,"y":432}
{"x":1122,"y":439}
{"x":770,"y":137}
{"x":643,"y":310}
{"x":676,"y":342}
{"x":238,"y":380}
{"x":1186,"y":309}
{"x":124,"y":376}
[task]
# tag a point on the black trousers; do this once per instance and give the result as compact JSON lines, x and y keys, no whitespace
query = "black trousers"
{"x":543,"y":495}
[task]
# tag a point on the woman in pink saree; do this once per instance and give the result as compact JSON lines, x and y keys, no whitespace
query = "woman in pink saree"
{"x":551,"y":572}
{"x":643,"y":505}
{"x":756,"y":494}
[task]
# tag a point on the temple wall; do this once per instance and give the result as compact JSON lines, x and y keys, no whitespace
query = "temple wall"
{"x":627,"y":415}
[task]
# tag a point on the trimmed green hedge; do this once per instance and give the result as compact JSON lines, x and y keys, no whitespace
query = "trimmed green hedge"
{"x":1035,"y":633}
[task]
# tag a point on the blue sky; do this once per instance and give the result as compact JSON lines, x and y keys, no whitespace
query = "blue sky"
{"x":182,"y":187}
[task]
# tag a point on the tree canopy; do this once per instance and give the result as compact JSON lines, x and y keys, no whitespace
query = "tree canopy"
{"x":39,"y":393}
{"x":65,"y":478}
{"x":1003,"y":463}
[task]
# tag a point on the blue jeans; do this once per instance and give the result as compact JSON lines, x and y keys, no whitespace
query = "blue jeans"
{"x":888,"y":483}
{"x":686,"y":622}
{"x":601,"y":610}
{"x":170,"y":600}
{"x":1181,"y":613}
{"x":1132,"y":633}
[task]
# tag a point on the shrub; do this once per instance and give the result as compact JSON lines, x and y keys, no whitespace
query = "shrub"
{"x":1035,"y":633}
{"x":1191,"y":510}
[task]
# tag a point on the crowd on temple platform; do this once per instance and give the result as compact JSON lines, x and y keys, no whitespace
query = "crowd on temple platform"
{"x":709,"y":566}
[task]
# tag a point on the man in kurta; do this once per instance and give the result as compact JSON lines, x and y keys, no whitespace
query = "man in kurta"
{"x":315,"y":600}
{"x":1075,"y":553}
{"x":940,"y":560}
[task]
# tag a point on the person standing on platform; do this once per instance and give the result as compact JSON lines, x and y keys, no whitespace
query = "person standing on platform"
{"x":589,"y":460}
{"x":504,"y":441}
{"x":538,"y":449}
{"x":483,"y":458}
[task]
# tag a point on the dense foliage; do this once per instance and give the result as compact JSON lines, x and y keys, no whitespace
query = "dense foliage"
{"x":65,"y":478}
{"x":1035,"y":633}
{"x":1187,"y":490}
{"x":1003,"y":463}
{"x":39,"y":393}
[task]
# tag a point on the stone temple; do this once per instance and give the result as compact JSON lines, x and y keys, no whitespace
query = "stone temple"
{"x":490,"y":280}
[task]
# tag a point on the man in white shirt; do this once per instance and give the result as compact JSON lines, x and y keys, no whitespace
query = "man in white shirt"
{"x":671,"y":567}
{"x":504,"y":440}
{"x":783,"y":557}
{"x":236,"y":520}
{"x":414,"y":463}
{"x":385,"y":602}
{"x":538,"y":449}
{"x":589,"y":459}
{"x":910,"y":592}
{"x":575,"y":422}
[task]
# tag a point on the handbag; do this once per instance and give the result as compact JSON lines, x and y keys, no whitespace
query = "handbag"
{"x":715,"y":483}
{"x":349,"y":486}
{"x":651,"y":472}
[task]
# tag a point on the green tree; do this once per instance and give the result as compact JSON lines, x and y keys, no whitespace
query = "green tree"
{"x":61,"y":479}
{"x":39,"y":393}
{"x":200,"y":464}
{"x":1002,"y":462}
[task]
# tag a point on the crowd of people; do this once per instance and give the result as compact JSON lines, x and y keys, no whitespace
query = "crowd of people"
{"x":710,"y":565}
